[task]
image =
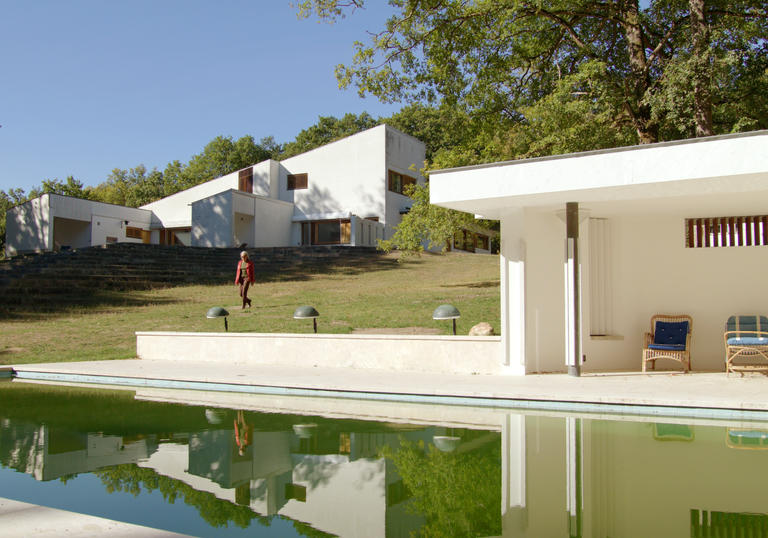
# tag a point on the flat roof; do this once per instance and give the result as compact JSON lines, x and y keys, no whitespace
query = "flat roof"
{"x":713,"y":174}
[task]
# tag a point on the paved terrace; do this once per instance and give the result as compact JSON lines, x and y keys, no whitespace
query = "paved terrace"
{"x":702,"y":395}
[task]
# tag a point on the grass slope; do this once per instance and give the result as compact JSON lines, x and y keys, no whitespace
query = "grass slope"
{"x":397,"y":297}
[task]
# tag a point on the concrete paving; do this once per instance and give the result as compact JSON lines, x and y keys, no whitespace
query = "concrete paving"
{"x":695,"y":393}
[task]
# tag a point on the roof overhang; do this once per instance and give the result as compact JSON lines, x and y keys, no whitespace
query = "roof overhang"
{"x":715,"y":175}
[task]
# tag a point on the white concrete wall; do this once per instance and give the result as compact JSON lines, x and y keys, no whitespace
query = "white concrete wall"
{"x":357,"y":486}
{"x":656,"y":273}
{"x":350,"y":176}
{"x":28,"y":227}
{"x":405,"y":155}
{"x":175,"y":211}
{"x":79,"y":209}
{"x":32,"y":226}
{"x":345,"y":176}
{"x":653,"y":272}
{"x":365,"y":233}
{"x":270,"y":222}
{"x":457,"y":354}
{"x":212,"y":220}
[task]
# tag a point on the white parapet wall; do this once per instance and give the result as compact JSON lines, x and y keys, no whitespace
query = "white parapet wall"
{"x":438,"y":354}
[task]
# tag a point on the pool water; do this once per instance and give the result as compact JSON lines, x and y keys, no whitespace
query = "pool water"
{"x":264,"y":466}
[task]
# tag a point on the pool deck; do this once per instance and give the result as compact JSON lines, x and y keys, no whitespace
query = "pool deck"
{"x":20,"y":519}
{"x":707,"y":394}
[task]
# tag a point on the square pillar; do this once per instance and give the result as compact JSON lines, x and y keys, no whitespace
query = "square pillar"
{"x":512,"y":260}
{"x":572,"y":290}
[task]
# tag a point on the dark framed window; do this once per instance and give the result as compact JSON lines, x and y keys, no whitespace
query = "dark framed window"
{"x":747,"y":231}
{"x":297,"y":181}
{"x":133,"y":232}
{"x":397,"y":181}
{"x":245,"y":179}
{"x":331,"y":232}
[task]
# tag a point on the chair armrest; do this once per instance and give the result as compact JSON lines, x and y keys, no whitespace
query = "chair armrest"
{"x":647,"y":339}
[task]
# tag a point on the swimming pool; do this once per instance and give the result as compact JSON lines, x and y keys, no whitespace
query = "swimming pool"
{"x":231,"y":465}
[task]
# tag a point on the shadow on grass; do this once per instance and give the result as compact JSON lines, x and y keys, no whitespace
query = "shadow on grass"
{"x":33,"y":308}
{"x":29,"y":300}
{"x":482,"y":284}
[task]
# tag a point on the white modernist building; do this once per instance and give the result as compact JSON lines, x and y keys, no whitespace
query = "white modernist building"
{"x":348,"y":192}
{"x":678,"y":227}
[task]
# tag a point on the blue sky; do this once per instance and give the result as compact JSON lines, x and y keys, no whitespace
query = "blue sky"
{"x":91,"y":85}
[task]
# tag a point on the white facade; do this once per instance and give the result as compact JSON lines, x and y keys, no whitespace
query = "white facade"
{"x":345,"y":200}
{"x":53,"y":221}
{"x":635,"y":262}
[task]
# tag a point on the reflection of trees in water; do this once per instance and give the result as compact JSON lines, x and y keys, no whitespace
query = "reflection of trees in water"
{"x":459,"y":493}
{"x":19,"y":445}
{"x":216,"y":512}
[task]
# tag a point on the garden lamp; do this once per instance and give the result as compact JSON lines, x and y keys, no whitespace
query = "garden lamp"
{"x":307,"y":312}
{"x":218,"y":312}
{"x":447,"y":311}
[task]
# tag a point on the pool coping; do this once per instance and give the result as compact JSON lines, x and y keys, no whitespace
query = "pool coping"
{"x":469,"y":395}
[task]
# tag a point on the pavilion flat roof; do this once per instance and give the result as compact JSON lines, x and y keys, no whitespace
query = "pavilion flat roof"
{"x":714,"y":174}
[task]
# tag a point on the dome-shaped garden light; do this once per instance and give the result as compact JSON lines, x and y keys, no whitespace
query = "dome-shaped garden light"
{"x":447,"y":311}
{"x":218,"y":312}
{"x":307,"y":312}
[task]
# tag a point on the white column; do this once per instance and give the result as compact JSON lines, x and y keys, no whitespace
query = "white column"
{"x":572,"y":290}
{"x":514,"y":514}
{"x":512,"y":259}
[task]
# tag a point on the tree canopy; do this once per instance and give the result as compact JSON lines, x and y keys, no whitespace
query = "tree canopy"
{"x":673,"y":69}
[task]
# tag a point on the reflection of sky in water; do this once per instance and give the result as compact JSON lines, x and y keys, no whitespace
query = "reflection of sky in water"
{"x":85,"y":494}
{"x":500,"y":473}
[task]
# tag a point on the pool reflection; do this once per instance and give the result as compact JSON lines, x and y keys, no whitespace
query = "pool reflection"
{"x":486,"y":473}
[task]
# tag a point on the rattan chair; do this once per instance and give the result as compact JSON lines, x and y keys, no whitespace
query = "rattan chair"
{"x":746,"y":336}
{"x":670,"y":338}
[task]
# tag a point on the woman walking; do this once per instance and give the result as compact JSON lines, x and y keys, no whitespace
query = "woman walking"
{"x":244,"y":277}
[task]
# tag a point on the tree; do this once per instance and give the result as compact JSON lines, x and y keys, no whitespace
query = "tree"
{"x":458,"y":493}
{"x":9,"y":199}
{"x":328,"y":129}
{"x":69,"y":187}
{"x":501,"y":57}
{"x":425,"y":223}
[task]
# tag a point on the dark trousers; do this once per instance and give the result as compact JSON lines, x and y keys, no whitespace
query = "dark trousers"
{"x":244,"y":291}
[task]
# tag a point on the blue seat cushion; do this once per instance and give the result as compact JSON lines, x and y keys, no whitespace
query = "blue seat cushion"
{"x":748,"y":341}
{"x":670,"y":333}
{"x":667,"y":347}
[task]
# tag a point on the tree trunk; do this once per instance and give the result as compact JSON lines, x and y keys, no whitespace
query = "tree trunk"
{"x":702,"y":95}
{"x":639,"y":81}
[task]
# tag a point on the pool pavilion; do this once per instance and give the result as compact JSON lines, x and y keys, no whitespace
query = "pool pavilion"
{"x":594,"y":244}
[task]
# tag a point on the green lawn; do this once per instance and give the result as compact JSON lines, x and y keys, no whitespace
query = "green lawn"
{"x":387,"y":296}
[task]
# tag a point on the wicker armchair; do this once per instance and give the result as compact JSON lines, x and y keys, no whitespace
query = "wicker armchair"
{"x":746,"y":336}
{"x":670,"y":338}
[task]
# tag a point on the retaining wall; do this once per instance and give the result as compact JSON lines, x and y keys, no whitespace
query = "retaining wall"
{"x":417,"y":353}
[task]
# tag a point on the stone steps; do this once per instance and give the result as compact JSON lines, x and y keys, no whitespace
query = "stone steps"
{"x":73,"y":276}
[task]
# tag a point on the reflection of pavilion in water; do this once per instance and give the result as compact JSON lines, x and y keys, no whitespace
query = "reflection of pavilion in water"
{"x":308,"y":474}
{"x":561,"y":476}
{"x":47,"y":452}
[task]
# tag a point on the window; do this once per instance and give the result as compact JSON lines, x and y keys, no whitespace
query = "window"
{"x":464,"y":240}
{"x":345,"y":443}
{"x":245,"y":180}
{"x":398,"y":181}
{"x":297,"y":181}
{"x":705,"y":523}
{"x":295,"y":491}
{"x":726,"y":232}
{"x":133,"y":232}
{"x":331,"y":232}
